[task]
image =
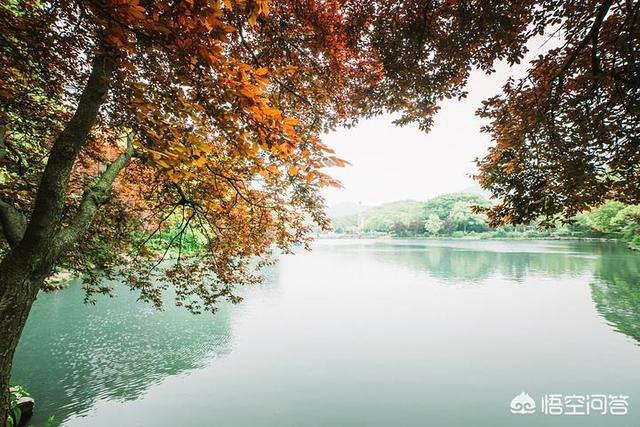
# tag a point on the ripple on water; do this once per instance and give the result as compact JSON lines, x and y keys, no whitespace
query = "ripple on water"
{"x":72,"y":354}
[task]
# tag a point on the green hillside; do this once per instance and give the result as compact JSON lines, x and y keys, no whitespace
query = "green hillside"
{"x":454,"y":215}
{"x":408,"y":217}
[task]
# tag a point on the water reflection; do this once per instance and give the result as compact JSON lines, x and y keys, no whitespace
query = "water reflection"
{"x":72,"y":354}
{"x":475,"y":261}
{"x":616,"y":269}
{"x":616,"y":293}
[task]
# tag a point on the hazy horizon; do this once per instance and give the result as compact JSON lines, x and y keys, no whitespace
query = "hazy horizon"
{"x":474,"y":188}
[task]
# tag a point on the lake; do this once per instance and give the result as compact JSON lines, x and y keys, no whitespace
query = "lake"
{"x":358,"y":333}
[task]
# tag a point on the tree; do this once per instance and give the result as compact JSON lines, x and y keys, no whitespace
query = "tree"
{"x":579,"y":224}
{"x":400,"y":218}
{"x":457,"y":211}
{"x":601,"y":218}
{"x":463,"y":216}
{"x":627,"y":221}
{"x":119,"y":118}
{"x":433,"y":224}
{"x":442,"y":205}
{"x":566,"y":135}
{"x":460,"y":215}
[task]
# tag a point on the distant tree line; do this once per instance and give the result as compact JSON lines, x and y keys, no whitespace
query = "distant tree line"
{"x":456,"y":215}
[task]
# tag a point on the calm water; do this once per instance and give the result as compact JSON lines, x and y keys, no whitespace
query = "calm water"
{"x":354,"y":333}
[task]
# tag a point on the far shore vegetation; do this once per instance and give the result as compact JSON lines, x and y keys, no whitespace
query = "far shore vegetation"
{"x":456,"y":215}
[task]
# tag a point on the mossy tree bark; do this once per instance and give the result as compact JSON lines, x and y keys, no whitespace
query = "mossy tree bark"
{"x":37,"y":242}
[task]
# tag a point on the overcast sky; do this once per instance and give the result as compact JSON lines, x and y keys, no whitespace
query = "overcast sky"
{"x":395,"y":163}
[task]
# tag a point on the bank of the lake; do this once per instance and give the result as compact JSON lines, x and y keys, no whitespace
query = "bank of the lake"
{"x":509,"y":237}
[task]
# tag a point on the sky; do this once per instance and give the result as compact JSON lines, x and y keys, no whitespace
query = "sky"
{"x":392,"y":163}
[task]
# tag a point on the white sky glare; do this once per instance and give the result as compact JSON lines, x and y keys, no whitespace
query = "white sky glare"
{"x":392,"y":163}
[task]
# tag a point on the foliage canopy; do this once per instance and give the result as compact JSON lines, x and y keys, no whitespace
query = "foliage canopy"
{"x":123,"y":118}
{"x":566,"y":134}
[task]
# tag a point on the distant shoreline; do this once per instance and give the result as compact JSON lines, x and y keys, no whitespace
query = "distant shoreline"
{"x":467,"y":237}
{"x":473,"y":237}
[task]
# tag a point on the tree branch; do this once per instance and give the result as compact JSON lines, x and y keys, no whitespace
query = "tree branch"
{"x":13,"y":223}
{"x":3,"y":148}
{"x":93,"y":198}
{"x":6,"y":149}
{"x":592,"y":35}
{"x":53,"y":185}
{"x":280,"y":82}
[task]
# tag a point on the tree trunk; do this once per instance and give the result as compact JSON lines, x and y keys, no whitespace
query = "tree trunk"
{"x":36,"y":246}
{"x":19,"y":285}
